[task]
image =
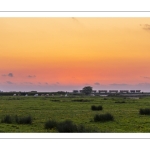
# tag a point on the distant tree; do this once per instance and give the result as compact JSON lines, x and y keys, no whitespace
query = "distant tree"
{"x":87,"y":90}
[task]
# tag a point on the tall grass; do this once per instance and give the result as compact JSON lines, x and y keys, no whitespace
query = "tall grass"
{"x":145,"y":111}
{"x":23,"y":120}
{"x":7,"y":119}
{"x":50,"y":124}
{"x":103,"y":117}
{"x":93,"y":107}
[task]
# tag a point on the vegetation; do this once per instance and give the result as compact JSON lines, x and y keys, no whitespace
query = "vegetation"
{"x":87,"y":90}
{"x":7,"y":119}
{"x":103,"y":117}
{"x":145,"y":111}
{"x":93,"y":107}
{"x":23,"y":120}
{"x":50,"y":124}
{"x":127,"y":116}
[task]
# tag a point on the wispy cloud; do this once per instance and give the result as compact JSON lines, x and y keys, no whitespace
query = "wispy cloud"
{"x":116,"y":84}
{"x":8,"y":75}
{"x":145,"y":77}
{"x":97,"y":83}
{"x":31,"y":76}
{"x":8,"y":82}
{"x":28,"y":82}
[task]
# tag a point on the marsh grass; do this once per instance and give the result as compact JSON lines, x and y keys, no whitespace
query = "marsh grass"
{"x":95,"y":108}
{"x":103,"y":117}
{"x":126,"y":116}
{"x":145,"y":111}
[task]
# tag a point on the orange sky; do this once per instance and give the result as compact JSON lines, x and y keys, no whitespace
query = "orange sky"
{"x":74,"y":51}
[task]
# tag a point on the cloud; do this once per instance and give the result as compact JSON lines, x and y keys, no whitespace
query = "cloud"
{"x":97,"y":83}
{"x":28,"y":82}
{"x":145,"y":77}
{"x":146,"y":27}
{"x":30,"y":76}
{"x":46,"y":83}
{"x":9,"y":82}
{"x":4,"y":75}
{"x":116,"y":84}
{"x":10,"y":75}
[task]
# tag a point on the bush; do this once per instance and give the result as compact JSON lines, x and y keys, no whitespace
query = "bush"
{"x":50,"y":124}
{"x":67,"y":126}
{"x":23,"y":120}
{"x":103,"y":117}
{"x":145,"y":111}
{"x":93,"y":107}
{"x":7,"y":119}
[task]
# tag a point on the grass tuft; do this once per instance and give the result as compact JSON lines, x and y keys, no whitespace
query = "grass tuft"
{"x":23,"y":120}
{"x":7,"y":119}
{"x":50,"y":124}
{"x":93,"y":107}
{"x":145,"y":111}
{"x":103,"y":117}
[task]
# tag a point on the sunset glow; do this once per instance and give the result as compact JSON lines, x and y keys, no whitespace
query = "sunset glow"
{"x":52,"y":54}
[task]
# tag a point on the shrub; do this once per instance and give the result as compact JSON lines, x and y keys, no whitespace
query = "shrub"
{"x":7,"y":119}
{"x":50,"y":124}
{"x":23,"y":120}
{"x":93,"y":107}
{"x":103,"y":117}
{"x":145,"y":111}
{"x":67,"y":126}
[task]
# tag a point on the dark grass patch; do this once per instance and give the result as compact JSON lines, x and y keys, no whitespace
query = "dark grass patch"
{"x":7,"y":119}
{"x":80,"y":100}
{"x":23,"y":120}
{"x":145,"y":111}
{"x":120,"y":102}
{"x":94,"y":108}
{"x":55,"y":100}
{"x":67,"y":126}
{"x":50,"y":124}
{"x":103,"y":117}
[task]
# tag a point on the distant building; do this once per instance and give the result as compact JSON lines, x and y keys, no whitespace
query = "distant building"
{"x":113,"y":91}
{"x":102,"y":91}
{"x":132,"y":91}
{"x":81,"y":91}
{"x":93,"y":91}
{"x":138,"y":91}
{"x":124,"y":91}
{"x":75,"y":91}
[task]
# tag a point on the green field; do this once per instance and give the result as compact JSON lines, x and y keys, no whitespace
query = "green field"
{"x":125,"y":111}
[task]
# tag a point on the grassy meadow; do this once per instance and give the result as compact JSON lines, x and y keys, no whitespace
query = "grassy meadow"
{"x":79,"y":110}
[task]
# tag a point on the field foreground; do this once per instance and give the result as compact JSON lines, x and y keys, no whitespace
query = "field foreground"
{"x":125,"y":112}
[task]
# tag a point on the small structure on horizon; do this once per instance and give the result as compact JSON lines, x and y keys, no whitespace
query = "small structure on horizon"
{"x":75,"y":91}
{"x":113,"y":91}
{"x":102,"y":91}
{"x":124,"y":91}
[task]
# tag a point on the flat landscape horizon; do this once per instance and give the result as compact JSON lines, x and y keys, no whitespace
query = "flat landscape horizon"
{"x":55,"y":54}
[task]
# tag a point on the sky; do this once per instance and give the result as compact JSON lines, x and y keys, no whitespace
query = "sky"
{"x":65,"y":54}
